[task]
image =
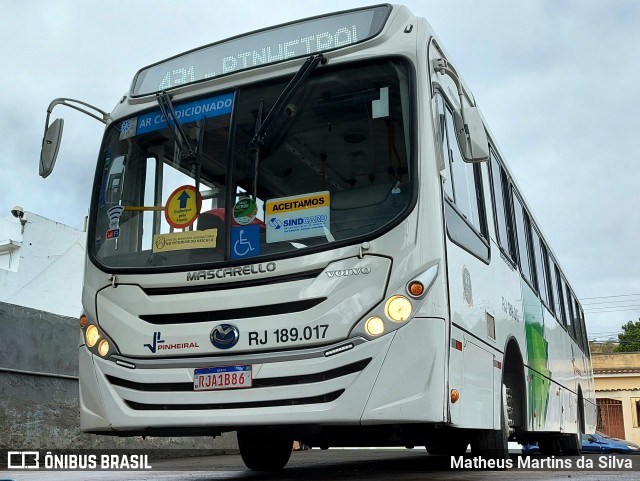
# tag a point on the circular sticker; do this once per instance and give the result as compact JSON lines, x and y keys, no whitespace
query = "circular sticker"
{"x":245,"y":211}
{"x":182,"y":207}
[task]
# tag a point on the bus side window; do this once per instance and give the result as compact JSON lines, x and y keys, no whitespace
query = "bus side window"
{"x":502,"y":207}
{"x":544,"y":254}
{"x":538,"y":258}
{"x":568,"y":310}
{"x":465,"y":178}
{"x":585,"y":339}
{"x":464,"y":206}
{"x":522,"y":220}
{"x":553,"y":270}
{"x":576,"y":322}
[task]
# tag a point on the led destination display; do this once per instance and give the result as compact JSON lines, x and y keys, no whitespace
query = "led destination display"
{"x":260,"y":48}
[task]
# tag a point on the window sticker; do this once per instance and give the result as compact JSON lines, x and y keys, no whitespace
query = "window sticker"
{"x":245,"y":211}
{"x":182,"y":207}
{"x":176,"y":241}
{"x":298,"y":217}
{"x":245,"y":241}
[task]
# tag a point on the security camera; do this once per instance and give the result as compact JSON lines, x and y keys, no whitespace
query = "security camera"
{"x":17,"y":212}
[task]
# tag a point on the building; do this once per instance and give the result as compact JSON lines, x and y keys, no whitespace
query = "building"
{"x":617,"y":383}
{"x":41,"y":263}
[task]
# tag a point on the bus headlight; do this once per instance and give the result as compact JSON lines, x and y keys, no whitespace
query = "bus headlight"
{"x":374,"y":326}
{"x":103,"y":348}
{"x":398,"y":308}
{"x":92,"y":335}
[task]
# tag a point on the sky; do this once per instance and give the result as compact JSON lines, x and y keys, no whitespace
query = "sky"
{"x":556,"y":81}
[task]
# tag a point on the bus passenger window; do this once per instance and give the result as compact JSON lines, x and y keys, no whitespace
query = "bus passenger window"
{"x":537,"y":255}
{"x":503,"y":217}
{"x":522,"y":219}
{"x":544,"y":254}
{"x":568,"y":310}
{"x":467,"y":196}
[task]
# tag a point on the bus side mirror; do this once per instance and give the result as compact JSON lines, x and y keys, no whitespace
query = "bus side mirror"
{"x":50,"y":146}
{"x":472,"y":136}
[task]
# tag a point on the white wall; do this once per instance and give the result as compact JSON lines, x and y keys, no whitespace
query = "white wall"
{"x":41,"y":264}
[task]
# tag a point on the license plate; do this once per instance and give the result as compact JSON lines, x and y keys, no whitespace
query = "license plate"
{"x":224,"y":377}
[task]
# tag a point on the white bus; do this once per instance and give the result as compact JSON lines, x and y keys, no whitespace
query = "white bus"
{"x":308,"y":232}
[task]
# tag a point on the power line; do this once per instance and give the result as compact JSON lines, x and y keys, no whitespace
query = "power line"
{"x":609,"y":302}
{"x":607,"y":309}
{"x":605,"y":297}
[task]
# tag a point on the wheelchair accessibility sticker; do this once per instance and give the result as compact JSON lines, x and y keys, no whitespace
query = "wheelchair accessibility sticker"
{"x":245,"y":241}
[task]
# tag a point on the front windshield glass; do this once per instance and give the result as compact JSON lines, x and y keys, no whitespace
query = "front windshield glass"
{"x":333,"y":168}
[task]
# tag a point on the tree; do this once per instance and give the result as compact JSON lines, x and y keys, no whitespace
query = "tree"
{"x":629,"y":337}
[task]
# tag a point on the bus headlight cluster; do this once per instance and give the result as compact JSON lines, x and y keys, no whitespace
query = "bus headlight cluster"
{"x":397,"y":309}
{"x":96,"y":340}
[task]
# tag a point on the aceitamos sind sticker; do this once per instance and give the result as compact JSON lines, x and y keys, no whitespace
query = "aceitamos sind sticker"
{"x":298,"y":217}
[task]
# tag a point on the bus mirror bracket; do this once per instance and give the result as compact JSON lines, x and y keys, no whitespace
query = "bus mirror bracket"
{"x":53,"y":133}
{"x":470,"y":130}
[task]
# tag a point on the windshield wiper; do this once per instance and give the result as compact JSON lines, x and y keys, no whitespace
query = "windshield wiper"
{"x":164,"y":101}
{"x":262,"y":127}
{"x":187,"y":152}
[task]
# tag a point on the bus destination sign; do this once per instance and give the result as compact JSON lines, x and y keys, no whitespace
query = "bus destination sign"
{"x":278,"y":44}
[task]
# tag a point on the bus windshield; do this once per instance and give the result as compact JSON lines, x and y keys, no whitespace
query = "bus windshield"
{"x":333,"y":167}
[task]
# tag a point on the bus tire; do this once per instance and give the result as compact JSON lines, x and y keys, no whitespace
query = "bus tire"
{"x":549,"y":445}
{"x":494,"y":443}
{"x":264,"y":449}
{"x":450,"y":443}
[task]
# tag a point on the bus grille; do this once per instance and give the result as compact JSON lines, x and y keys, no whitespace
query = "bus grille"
{"x":325,"y":398}
{"x":257,"y":383}
{"x":229,"y":314}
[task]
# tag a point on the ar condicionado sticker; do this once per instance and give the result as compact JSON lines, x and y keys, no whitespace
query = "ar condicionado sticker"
{"x":182,"y":207}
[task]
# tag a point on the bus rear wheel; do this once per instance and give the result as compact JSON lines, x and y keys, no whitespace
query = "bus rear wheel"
{"x":264,"y":449}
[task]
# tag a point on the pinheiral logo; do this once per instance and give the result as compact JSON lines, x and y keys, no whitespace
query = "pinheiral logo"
{"x":224,"y":336}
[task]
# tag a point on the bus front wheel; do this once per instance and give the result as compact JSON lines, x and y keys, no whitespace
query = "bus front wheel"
{"x":264,"y":449}
{"x":491,"y":443}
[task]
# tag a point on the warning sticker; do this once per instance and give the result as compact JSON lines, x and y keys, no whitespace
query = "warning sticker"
{"x":185,"y":240}
{"x":297,"y":217}
{"x":182,"y":207}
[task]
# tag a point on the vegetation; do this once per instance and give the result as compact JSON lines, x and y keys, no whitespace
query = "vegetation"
{"x":629,"y":338}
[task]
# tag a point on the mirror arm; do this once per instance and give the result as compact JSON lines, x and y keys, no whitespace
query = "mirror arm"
{"x":103,"y":117}
{"x":442,"y":66}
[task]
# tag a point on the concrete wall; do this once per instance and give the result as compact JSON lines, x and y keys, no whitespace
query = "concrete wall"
{"x":39,"y":389}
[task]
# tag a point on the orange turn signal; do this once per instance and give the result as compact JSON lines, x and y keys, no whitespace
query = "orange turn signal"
{"x":83,"y":320}
{"x":455,"y":395}
{"x":416,"y":288}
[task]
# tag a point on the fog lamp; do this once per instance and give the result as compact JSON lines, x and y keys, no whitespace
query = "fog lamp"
{"x":398,"y":308}
{"x":374,"y":326}
{"x":92,"y":335}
